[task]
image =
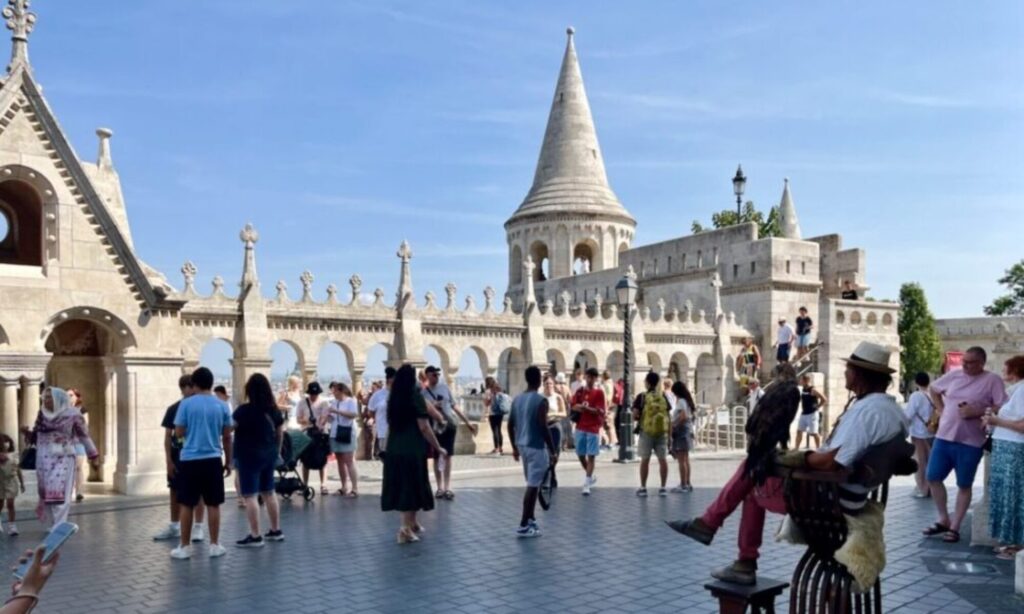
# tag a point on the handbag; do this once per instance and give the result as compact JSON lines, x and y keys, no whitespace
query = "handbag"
{"x":343,"y":434}
{"x":28,"y":459}
{"x":987,"y":446}
{"x":933,"y":420}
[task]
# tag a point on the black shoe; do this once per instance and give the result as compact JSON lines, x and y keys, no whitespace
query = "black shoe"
{"x":80,"y":498}
{"x":743,"y":573}
{"x":694,"y":529}
{"x":275,"y":536}
{"x":554,"y":482}
{"x":250,"y":542}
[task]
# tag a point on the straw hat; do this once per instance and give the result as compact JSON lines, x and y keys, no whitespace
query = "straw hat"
{"x":872,"y":357}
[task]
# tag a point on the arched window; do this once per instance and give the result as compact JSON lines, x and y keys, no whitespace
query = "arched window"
{"x":583,"y":259}
{"x":21,"y":224}
{"x":515,"y":273}
{"x":541,"y":261}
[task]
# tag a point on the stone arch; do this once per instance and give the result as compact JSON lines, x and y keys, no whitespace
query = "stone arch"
{"x":511,"y":367}
{"x":282,"y":347}
{"x":840,"y":317}
{"x":29,"y":203}
{"x":555,"y":360}
{"x":119,"y":330}
{"x":872,"y":318}
{"x":586,"y":257}
{"x":472,"y":352}
{"x":855,"y":318}
{"x":585,"y":359}
{"x":887,"y":319}
{"x":623,"y":247}
{"x":4,"y":339}
{"x":707,"y":381}
{"x":217,"y":354}
{"x":679,"y":369}
{"x":615,"y":364}
{"x":654,"y":362}
{"x":442,"y":358}
{"x":327,"y":373}
{"x":541,"y":260}
{"x":515,"y":266}
{"x":379,"y":356}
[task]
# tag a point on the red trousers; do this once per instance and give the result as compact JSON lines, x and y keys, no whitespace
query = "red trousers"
{"x":755,"y":499}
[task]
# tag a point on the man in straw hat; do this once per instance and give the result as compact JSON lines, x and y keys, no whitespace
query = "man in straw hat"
{"x":872,"y":418}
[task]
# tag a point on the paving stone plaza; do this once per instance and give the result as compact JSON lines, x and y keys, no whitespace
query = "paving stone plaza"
{"x":607,"y":553}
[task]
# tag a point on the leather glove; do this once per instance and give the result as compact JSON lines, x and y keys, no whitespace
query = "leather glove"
{"x":795,"y":459}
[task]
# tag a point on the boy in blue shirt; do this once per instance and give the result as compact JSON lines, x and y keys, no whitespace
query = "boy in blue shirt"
{"x":204,"y":421}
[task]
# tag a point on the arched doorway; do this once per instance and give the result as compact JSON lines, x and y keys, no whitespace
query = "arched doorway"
{"x":511,"y":368}
{"x":679,"y":369}
{"x":541,"y":261}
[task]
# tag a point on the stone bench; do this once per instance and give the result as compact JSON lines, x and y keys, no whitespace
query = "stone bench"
{"x":735,"y":599}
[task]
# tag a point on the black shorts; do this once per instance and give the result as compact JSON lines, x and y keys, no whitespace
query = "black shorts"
{"x":172,"y":481}
{"x":200,"y":479}
{"x":447,"y":441}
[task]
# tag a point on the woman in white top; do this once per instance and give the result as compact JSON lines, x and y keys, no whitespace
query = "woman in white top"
{"x":917,"y":413}
{"x":556,"y":414}
{"x":681,"y":419}
{"x":288,"y":402}
{"x":1006,"y":478}
{"x":342,"y":412}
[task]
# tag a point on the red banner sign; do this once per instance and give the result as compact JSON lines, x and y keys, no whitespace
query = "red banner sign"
{"x":954,"y":360}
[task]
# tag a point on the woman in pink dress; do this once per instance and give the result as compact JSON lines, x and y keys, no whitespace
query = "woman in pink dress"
{"x":58,"y":427}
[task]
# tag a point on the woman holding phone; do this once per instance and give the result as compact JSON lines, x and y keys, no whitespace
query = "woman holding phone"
{"x":58,"y":427}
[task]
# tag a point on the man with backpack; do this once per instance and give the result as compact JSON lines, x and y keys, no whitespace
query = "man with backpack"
{"x":651,"y":410}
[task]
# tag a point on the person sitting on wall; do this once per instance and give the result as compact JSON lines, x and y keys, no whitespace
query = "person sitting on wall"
{"x":849,"y":291}
{"x":873,"y":417}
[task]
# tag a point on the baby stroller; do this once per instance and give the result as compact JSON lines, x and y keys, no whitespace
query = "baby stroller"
{"x":293,"y":445}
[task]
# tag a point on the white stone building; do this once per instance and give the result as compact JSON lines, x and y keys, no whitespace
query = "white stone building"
{"x":78,"y":308}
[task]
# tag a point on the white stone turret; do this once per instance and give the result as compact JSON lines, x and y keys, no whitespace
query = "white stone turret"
{"x":788,"y":222}
{"x":570,"y":222}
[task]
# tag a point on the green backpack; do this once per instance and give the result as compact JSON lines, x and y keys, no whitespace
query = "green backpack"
{"x":655,"y":417}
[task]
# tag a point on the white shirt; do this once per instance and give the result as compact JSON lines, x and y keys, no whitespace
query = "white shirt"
{"x":680,"y":406}
{"x":348,"y":405}
{"x":293,"y":398}
{"x":917,"y":412}
{"x":378,"y":405}
{"x":306,"y":406}
{"x":1011,"y":410}
{"x":753,"y":398}
{"x":786,"y":334}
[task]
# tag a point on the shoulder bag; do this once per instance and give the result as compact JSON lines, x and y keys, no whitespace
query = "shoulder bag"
{"x":342,"y":434}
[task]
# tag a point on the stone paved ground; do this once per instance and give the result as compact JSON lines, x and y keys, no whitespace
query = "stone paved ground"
{"x":606,"y":553}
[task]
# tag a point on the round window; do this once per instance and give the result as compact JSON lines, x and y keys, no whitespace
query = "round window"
{"x":5,"y":227}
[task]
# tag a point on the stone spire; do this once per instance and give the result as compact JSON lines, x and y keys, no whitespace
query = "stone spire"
{"x":788,"y":223}
{"x":570,"y":173}
{"x":249,"y":237}
{"x":405,"y":295}
{"x":103,"y":159}
{"x":20,"y":21}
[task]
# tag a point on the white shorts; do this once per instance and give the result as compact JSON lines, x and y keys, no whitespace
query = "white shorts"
{"x":809,"y":423}
{"x":535,"y":465}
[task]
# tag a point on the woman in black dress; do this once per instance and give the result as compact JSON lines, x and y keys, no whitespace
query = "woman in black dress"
{"x":406,"y":485}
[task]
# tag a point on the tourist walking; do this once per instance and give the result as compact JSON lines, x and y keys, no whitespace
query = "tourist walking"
{"x":964,"y":396}
{"x":378,"y":406}
{"x":406,"y":486}
{"x":804,"y":326}
{"x":172,"y":460}
{"x":588,"y":410}
{"x":557,"y":415}
{"x":312,"y":416}
{"x":784,"y":335}
{"x":11,"y":481}
{"x":872,"y":418}
{"x":288,"y":402}
{"x":651,"y":410}
{"x":1006,"y":478}
{"x":499,"y":406}
{"x":343,"y":412}
{"x":748,"y":363}
{"x":577,"y":381}
{"x":259,"y":429}
{"x":58,"y":427}
{"x":682,"y":434}
{"x":563,"y":390}
{"x":918,"y":413}
{"x":440,"y":396}
{"x":76,"y":400}
{"x":204,"y":422}
{"x":610,"y":437}
{"x":532,"y":443}
{"x":812,"y":402}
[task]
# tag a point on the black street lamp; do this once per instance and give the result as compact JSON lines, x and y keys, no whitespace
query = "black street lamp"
{"x":738,"y":183}
{"x":626,"y":292}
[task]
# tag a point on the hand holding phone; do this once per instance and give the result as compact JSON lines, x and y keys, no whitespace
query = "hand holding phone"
{"x":53,"y":541}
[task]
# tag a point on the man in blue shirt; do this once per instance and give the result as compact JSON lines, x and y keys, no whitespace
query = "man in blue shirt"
{"x":532,"y":442}
{"x":204,"y":422}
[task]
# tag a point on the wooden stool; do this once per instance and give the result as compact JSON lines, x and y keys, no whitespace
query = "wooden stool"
{"x":734,"y":598}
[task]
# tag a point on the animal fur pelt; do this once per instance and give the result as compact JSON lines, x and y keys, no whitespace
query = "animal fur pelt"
{"x":768,"y":428}
{"x":863,"y":553}
{"x":789,"y":532}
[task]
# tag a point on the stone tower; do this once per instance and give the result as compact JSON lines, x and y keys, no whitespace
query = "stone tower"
{"x":571,"y":222}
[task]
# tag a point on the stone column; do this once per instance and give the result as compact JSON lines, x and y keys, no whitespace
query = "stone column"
{"x":308,"y":375}
{"x":109,"y":443}
{"x":29,"y":401}
{"x":241,"y":369}
{"x":9,"y":405}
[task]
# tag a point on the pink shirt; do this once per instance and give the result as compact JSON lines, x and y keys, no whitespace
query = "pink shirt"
{"x":980,"y":391}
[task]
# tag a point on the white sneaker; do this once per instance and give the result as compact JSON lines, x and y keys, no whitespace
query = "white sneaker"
{"x":217,"y":550}
{"x":182,"y":552}
{"x":12,"y":529}
{"x":198,"y":532}
{"x":169,"y":532}
{"x":679,"y":489}
{"x":586,"y":490}
{"x":592,"y":479}
{"x":662,"y":492}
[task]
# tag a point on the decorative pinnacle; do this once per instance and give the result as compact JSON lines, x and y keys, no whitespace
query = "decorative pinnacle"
{"x":404,"y":251}
{"x":21,"y":21}
{"x":631,"y":273}
{"x":249,"y":236}
{"x":570,"y":31}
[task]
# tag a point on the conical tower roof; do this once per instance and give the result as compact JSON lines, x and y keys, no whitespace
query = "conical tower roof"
{"x":788,"y":222}
{"x":570,"y":176}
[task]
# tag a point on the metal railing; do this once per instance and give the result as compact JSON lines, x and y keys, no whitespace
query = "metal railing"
{"x":720,"y":428}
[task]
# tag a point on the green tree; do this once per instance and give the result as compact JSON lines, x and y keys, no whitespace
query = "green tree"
{"x":767,"y":225}
{"x":1011,"y":304}
{"x":919,"y":341}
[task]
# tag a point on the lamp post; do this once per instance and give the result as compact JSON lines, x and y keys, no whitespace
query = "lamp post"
{"x":626,"y":291}
{"x":738,"y":183}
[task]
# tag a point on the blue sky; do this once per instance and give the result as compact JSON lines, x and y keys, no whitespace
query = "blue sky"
{"x":339,"y":128}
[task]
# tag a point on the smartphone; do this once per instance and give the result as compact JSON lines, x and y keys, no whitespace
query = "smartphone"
{"x":54,"y":540}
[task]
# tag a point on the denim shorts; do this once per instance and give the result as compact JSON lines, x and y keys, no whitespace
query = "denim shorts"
{"x":255,"y":477}
{"x":951,"y":455}
{"x":803,"y":340}
{"x":587,"y":444}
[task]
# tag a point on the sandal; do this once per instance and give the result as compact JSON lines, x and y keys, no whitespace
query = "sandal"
{"x":351,"y":495}
{"x":951,"y":537}
{"x":449,"y":495}
{"x":324,"y":491}
{"x":339,"y":492}
{"x":1009,"y":553}
{"x":935,"y":529}
{"x":439,"y":494}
